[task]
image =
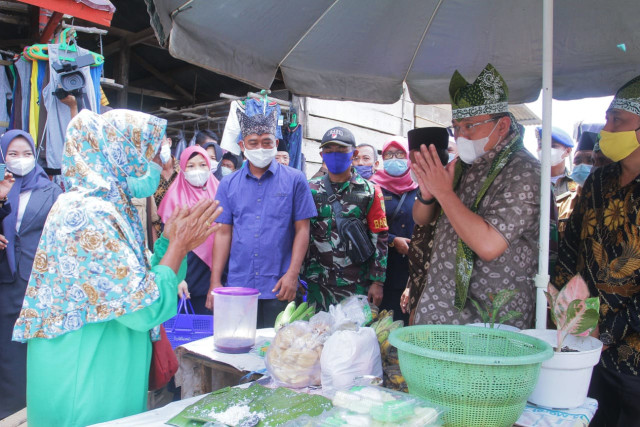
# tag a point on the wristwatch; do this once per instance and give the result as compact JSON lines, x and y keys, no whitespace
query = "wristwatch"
{"x":423,"y":201}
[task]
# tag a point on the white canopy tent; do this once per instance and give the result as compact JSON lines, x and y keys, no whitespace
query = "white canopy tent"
{"x":365,"y":50}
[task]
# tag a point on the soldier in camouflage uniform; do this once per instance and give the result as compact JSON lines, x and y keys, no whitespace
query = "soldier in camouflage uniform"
{"x":330,"y":274}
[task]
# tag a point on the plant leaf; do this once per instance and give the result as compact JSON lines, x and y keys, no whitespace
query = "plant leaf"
{"x":482,"y":311}
{"x":551,"y":301}
{"x":579,"y":318}
{"x":510,"y":316}
{"x":503,"y":297}
{"x":576,"y":289}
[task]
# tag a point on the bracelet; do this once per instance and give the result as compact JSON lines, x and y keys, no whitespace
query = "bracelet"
{"x":423,"y":201}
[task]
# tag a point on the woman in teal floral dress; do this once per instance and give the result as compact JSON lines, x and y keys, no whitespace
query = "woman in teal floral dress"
{"x":95,"y":296}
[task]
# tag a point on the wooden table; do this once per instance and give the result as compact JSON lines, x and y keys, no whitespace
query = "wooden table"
{"x":203,"y":370}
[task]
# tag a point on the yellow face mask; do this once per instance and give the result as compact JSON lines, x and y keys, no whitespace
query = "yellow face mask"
{"x":618,"y":145}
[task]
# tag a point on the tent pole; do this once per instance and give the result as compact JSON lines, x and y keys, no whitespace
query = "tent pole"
{"x":542,"y":279}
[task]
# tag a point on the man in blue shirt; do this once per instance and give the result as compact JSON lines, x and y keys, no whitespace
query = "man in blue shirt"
{"x":265,"y":222}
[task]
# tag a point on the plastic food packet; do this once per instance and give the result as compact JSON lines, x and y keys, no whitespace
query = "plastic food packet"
{"x":293,"y":358}
{"x":377,"y":406}
{"x":351,"y":313}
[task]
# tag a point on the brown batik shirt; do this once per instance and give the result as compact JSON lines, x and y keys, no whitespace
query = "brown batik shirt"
{"x":511,"y":206}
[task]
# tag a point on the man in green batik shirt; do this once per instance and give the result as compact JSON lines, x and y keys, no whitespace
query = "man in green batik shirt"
{"x":330,"y":274}
{"x":602,"y":244}
{"x":487,"y":207}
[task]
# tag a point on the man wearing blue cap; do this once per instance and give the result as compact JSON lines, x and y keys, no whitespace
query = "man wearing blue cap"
{"x":565,"y":189}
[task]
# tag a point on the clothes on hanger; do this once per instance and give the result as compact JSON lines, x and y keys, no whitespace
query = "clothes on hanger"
{"x":59,"y":114}
{"x":231,"y":134}
{"x":6,"y":91}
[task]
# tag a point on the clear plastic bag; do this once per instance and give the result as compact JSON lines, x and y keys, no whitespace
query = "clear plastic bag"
{"x":293,"y":358}
{"x":348,"y":355}
{"x":351,"y":313}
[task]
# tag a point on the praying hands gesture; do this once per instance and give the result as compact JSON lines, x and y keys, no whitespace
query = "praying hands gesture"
{"x":434,"y":179}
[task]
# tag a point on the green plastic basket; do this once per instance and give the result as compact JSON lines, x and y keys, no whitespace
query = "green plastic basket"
{"x":481,"y":376}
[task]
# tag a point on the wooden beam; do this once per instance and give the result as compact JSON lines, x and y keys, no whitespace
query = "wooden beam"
{"x":160,"y":76}
{"x":170,"y":73}
{"x":12,"y":43}
{"x":131,"y":38}
{"x":14,"y":19}
{"x":153,"y":93}
{"x":125,"y":56}
{"x":51,"y":27}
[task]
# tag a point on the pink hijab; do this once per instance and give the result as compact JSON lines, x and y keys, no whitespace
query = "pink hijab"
{"x":181,"y":193}
{"x":396,"y":184}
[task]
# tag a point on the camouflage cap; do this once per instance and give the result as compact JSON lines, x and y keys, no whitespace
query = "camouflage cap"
{"x":628,"y":97}
{"x":258,"y":123}
{"x":488,"y":94}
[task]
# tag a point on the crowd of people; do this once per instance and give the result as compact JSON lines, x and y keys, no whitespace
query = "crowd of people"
{"x":422,"y":228}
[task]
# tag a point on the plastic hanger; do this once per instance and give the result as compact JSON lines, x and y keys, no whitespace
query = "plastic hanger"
{"x":66,"y":42}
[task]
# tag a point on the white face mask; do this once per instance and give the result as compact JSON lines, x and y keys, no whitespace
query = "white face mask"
{"x":214,"y":165}
{"x":225,"y":171}
{"x":261,"y":157}
{"x":556,"y":156}
{"x":413,"y":176}
{"x":165,"y":154}
{"x":197,"y":177}
{"x":21,"y":166}
{"x":470,"y":149}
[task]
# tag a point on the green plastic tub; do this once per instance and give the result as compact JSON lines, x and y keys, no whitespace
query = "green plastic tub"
{"x":481,"y":376}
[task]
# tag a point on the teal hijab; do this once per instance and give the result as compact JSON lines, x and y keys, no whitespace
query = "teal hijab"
{"x":90,"y":265}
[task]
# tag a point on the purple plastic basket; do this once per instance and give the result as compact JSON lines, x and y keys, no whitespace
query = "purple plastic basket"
{"x":186,"y":327}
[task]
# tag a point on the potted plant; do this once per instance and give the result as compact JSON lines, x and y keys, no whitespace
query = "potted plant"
{"x":564,"y":379}
{"x":490,"y":309}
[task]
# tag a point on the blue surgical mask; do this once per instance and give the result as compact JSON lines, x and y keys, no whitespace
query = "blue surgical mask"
{"x":337,"y":162}
{"x":395,"y":167}
{"x":141,"y":187}
{"x":365,"y":171}
{"x":451,"y":157}
{"x":581,"y":172}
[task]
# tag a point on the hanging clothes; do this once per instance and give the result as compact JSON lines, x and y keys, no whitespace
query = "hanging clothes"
{"x":231,"y":134}
{"x":95,"y":73}
{"x":6,"y":91}
{"x":59,"y":114}
{"x":292,"y":137}
{"x":23,"y":68}
{"x":34,"y":108}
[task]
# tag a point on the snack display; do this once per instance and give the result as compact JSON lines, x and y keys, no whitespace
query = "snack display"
{"x":293,"y":358}
{"x":376,"y":406}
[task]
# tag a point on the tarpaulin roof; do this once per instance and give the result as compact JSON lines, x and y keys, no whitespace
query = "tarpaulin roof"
{"x":363,"y":50}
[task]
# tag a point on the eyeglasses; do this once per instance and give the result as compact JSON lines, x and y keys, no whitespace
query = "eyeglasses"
{"x":388,"y":155}
{"x":252,"y":145}
{"x":465,"y":128}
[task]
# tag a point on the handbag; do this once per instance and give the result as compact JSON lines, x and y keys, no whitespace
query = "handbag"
{"x":164,"y":363}
{"x":351,"y":230}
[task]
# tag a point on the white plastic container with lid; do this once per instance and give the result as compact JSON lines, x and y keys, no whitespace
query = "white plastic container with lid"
{"x":235,"y":314}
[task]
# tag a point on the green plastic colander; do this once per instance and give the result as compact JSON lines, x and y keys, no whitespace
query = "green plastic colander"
{"x":481,"y":376}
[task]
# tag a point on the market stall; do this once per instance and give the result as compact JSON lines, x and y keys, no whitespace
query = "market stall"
{"x":341,"y":368}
